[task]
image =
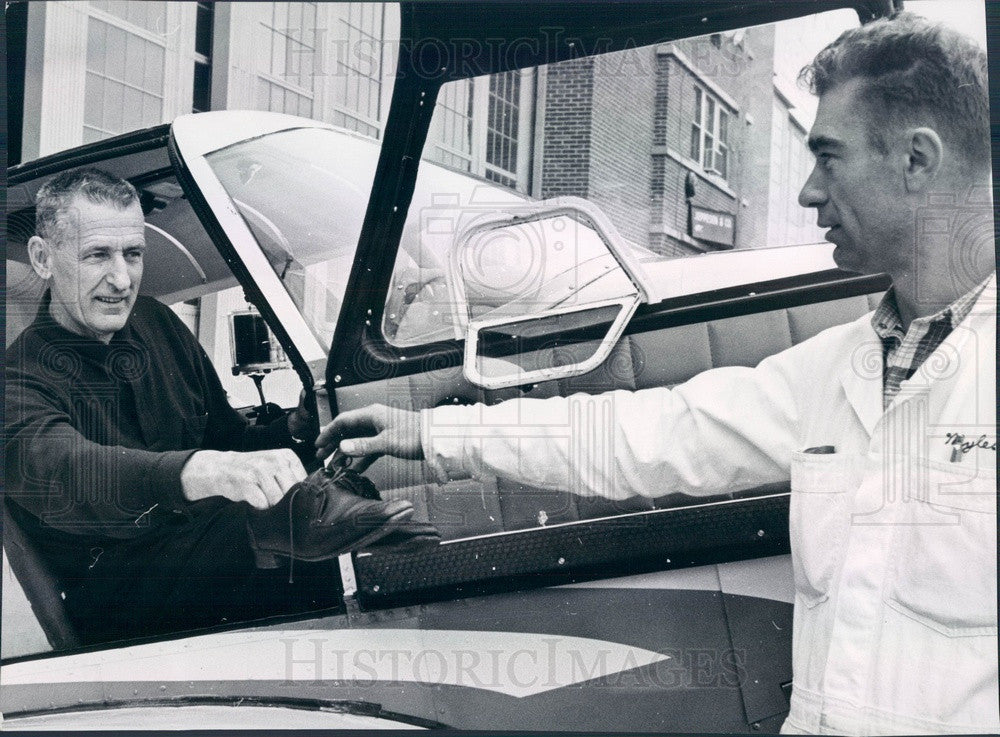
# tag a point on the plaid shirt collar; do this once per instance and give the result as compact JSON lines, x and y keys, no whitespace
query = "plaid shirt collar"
{"x":904,"y":351}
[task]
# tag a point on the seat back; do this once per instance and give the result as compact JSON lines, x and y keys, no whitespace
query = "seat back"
{"x":42,"y":588}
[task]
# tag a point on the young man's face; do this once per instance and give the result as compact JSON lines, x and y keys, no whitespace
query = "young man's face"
{"x":96,"y":268}
{"x":858,"y":192}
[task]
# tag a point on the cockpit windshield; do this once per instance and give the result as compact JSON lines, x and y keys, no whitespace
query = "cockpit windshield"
{"x":301,"y":191}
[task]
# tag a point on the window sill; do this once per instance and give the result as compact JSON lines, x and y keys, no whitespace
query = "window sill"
{"x":664,"y":229}
{"x":290,"y":86}
{"x":713,"y":179}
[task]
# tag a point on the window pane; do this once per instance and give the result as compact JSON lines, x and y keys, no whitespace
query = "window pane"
{"x":280,"y":16}
{"x":93,"y":100}
{"x":152,"y":110}
{"x":134,"y":47}
{"x":278,"y":47}
{"x":92,"y":134}
{"x":262,"y":96}
{"x":131,"y":109}
{"x":695,"y":143}
{"x":97,"y":45}
{"x":358,"y":30}
{"x":153,"y":74}
{"x":148,"y":15}
{"x":116,"y":52}
{"x":113,"y":101}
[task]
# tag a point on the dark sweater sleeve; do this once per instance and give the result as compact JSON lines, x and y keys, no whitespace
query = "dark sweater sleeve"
{"x":227,"y":429}
{"x":76,"y":485}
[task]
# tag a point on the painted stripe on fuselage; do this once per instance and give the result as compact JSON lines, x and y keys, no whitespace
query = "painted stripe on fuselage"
{"x":513,"y":663}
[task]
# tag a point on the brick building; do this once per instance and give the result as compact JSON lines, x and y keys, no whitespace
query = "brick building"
{"x":664,"y":139}
{"x":654,"y":134}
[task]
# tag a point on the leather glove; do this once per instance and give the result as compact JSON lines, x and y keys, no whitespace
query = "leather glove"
{"x":318,"y":519}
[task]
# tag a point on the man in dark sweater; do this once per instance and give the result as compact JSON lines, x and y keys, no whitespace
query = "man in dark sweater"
{"x":125,"y":462}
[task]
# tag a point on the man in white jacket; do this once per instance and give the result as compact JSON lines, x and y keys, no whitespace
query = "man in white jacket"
{"x":886,"y":426}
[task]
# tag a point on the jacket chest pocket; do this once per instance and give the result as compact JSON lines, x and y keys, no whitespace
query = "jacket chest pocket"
{"x":819,"y":520}
{"x":943,"y":569}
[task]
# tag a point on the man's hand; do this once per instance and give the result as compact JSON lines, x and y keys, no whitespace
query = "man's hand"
{"x":373,"y":431}
{"x":260,"y":478}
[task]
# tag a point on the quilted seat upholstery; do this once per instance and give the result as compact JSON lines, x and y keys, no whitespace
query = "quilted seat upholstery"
{"x":664,"y":357}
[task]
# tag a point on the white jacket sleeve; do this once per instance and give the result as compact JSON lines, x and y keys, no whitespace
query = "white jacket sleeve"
{"x":725,"y":429}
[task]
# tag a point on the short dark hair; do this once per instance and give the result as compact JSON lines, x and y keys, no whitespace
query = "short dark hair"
{"x":914,"y":72}
{"x":55,"y":196}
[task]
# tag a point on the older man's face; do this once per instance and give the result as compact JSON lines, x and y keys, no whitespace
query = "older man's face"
{"x":859,"y":193}
{"x":97,"y":267}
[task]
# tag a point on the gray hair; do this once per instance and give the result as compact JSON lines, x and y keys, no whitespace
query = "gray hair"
{"x":53,"y":200}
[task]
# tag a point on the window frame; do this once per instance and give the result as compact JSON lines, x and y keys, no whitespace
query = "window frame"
{"x":274,"y":79}
{"x":478,"y":121}
{"x":354,"y":119}
{"x":145,"y":35}
{"x":707,"y":131}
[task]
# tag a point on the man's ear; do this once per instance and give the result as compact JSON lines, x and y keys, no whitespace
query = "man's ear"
{"x":40,"y":253}
{"x":925,"y":153}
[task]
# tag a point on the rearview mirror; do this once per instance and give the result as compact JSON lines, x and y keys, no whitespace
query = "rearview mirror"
{"x":548,"y":290}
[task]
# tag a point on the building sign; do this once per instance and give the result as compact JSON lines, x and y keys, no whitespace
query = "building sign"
{"x":712,"y":225}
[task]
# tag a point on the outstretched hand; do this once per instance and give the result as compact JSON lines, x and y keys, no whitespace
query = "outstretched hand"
{"x":373,"y":431}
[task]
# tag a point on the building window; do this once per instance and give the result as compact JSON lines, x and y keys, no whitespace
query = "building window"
{"x":286,"y":85}
{"x":710,"y":133}
{"x":484,"y":126}
{"x":502,"y":128}
{"x":149,"y":16}
{"x":451,"y":128}
{"x":124,"y":81}
{"x":358,"y":82}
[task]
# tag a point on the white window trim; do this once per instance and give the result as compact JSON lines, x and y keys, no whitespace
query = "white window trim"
{"x":713,"y":131}
{"x":114,"y":20}
{"x":342,"y":109}
{"x":713,"y":179}
{"x":269,"y":76}
{"x":95,"y":13}
{"x":291,"y":87}
{"x":378,"y":125}
{"x":444,"y":147}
